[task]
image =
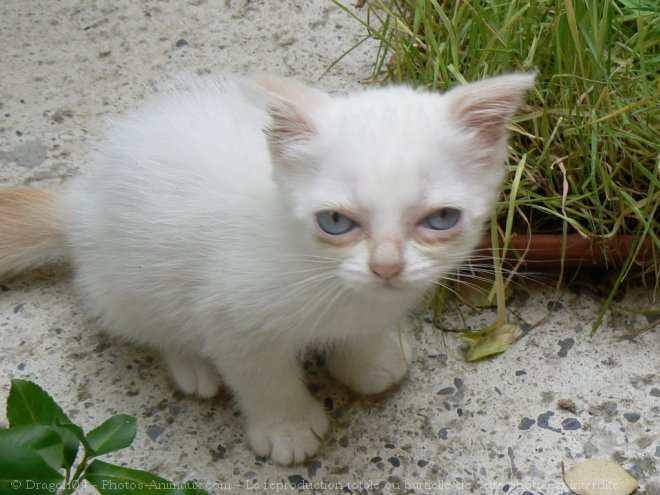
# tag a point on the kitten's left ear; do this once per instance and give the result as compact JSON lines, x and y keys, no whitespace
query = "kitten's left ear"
{"x":293,"y":108}
{"x":486,"y":106}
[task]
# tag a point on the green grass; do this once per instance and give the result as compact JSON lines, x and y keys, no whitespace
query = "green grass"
{"x":586,"y":148}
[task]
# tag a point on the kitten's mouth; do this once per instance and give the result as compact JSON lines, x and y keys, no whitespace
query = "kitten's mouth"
{"x":394,"y":285}
{"x":398,"y":286}
{"x":387,"y":287}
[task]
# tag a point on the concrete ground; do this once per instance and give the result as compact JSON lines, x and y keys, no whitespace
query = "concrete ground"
{"x":452,"y":427}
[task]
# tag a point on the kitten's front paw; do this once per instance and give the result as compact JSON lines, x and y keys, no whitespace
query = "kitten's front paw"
{"x":193,"y":374}
{"x":290,"y":440}
{"x":372,"y":366}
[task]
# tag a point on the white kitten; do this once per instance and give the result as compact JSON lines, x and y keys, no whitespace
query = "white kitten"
{"x":233,"y":224}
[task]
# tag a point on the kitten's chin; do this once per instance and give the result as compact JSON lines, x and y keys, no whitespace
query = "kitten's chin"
{"x":392,"y":290}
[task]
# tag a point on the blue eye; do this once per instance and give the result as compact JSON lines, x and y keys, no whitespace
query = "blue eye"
{"x":442,"y":219}
{"x":334,"y":223}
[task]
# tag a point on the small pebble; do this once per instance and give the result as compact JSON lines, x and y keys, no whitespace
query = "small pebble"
{"x":544,"y":421}
{"x":526,"y":424}
{"x":297,"y":480}
{"x":571,"y":424}
{"x":566,"y":345}
{"x":632,"y":417}
{"x":154,"y":431}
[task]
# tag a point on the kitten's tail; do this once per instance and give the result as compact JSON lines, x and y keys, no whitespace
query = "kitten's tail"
{"x":31,"y":229}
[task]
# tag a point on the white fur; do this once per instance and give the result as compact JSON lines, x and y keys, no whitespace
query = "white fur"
{"x":188,"y":235}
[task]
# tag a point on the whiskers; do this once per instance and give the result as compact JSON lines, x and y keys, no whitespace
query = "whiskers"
{"x":305,"y":277}
{"x":485,"y":272}
{"x":311,"y":258}
{"x":473,"y":282}
{"x":302,"y":279}
{"x":319,"y":291}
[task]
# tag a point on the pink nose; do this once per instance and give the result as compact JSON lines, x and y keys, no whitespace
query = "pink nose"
{"x":386,"y":257}
{"x":386,"y":270}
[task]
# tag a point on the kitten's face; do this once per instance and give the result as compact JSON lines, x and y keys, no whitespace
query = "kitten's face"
{"x":393,"y":185}
{"x":392,"y":196}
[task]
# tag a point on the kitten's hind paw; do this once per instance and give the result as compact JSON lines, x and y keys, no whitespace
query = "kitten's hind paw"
{"x":193,"y":374}
{"x":289,"y":441}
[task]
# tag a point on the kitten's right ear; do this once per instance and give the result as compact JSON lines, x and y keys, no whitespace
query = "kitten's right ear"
{"x":484,"y":107}
{"x":293,"y":108}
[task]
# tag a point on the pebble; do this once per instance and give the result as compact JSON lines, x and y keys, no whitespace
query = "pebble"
{"x":632,"y":417}
{"x":571,"y":424}
{"x":544,"y":421}
{"x":154,"y":431}
{"x":566,"y":345}
{"x":297,"y":480}
{"x":526,"y":424}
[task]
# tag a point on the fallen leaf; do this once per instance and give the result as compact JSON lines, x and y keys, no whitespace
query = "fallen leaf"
{"x":493,"y":339}
{"x":599,"y":477}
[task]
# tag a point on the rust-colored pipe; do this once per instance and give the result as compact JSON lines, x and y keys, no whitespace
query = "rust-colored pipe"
{"x":544,"y":251}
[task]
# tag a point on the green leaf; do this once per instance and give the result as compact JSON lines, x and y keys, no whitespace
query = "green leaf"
{"x":29,"y":404}
{"x":116,"y":433}
{"x":43,"y":439}
{"x":109,"y":479}
{"x":24,"y":472}
{"x":493,"y":339}
{"x":75,"y":430}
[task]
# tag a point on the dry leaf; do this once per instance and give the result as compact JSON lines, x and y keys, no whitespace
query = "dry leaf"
{"x":599,"y":477}
{"x":493,"y":339}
